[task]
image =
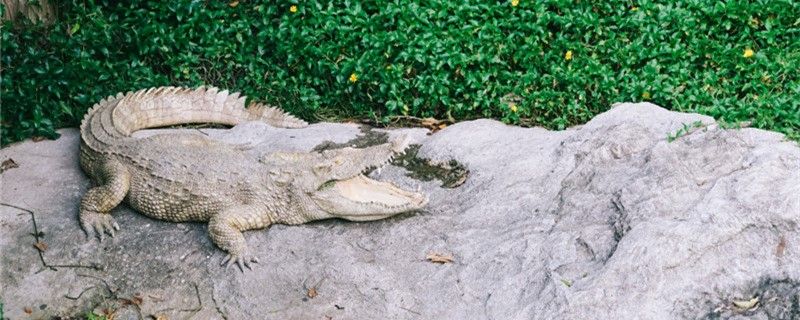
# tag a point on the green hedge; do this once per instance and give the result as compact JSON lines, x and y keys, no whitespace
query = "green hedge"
{"x":548,"y":63}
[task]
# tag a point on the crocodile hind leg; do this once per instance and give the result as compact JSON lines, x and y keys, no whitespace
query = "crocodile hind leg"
{"x":97,"y":203}
{"x":226,"y":229}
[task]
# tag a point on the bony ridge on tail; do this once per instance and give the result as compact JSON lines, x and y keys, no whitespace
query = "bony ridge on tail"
{"x":160,"y":176}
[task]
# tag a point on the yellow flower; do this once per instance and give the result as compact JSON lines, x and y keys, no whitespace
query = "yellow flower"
{"x":748,"y":53}
{"x":513,"y":107}
{"x":568,"y":55}
{"x":634,"y":8}
{"x":514,"y":3}
{"x":646,"y":95}
{"x":353,"y":77}
{"x":293,"y":9}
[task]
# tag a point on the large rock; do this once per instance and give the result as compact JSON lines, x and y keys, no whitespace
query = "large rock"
{"x":641,"y":213}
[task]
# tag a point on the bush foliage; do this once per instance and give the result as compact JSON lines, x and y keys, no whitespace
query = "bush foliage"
{"x":549,"y":63}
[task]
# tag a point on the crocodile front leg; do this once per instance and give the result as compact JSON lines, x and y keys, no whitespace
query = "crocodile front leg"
{"x":97,"y":203}
{"x":226,"y":229}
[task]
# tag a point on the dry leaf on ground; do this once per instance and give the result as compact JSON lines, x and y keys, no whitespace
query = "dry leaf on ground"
{"x":312,"y":293}
{"x":746,"y":304}
{"x":8,"y":164}
{"x":429,"y":122}
{"x":433,"y":124}
{"x":439,"y":258}
{"x":41,"y":246}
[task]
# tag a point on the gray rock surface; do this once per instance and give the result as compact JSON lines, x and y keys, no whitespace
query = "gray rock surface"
{"x":609,"y":220}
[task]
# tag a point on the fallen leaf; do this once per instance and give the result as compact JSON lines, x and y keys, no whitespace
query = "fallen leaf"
{"x":433,"y":124}
{"x":41,"y":246}
{"x":37,"y":138}
{"x":312,"y":293}
{"x":746,"y":304}
{"x":8,"y":164}
{"x":161,"y":317}
{"x":429,"y":122}
{"x":439,"y":258}
{"x":781,"y":247}
{"x":233,"y":4}
{"x":28,"y":310}
{"x":567,"y":282}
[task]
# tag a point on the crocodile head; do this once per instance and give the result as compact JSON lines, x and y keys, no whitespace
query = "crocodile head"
{"x":333,"y":184}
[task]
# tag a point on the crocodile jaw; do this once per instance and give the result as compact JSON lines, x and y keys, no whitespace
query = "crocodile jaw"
{"x":363,"y":199}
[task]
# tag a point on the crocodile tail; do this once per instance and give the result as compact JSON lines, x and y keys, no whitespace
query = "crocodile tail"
{"x":117,"y":117}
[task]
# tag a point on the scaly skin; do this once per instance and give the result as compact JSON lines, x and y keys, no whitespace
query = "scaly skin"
{"x":161,"y":177}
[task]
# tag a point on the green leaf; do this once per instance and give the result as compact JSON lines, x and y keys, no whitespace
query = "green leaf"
{"x":75,"y":28}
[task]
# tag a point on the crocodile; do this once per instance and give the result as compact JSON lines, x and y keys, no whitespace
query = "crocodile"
{"x":181,"y":177}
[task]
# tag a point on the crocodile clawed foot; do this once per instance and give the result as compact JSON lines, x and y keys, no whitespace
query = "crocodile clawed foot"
{"x":98,"y":223}
{"x":241,"y":261}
